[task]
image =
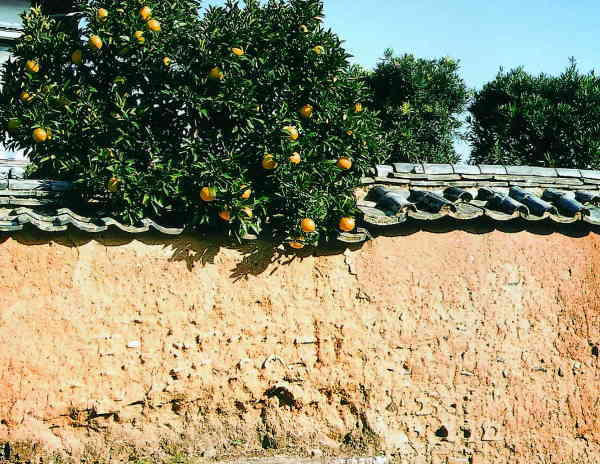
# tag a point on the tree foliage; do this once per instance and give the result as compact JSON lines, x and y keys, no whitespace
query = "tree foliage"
{"x":244,"y":117}
{"x":539,"y":120}
{"x":420,"y":102}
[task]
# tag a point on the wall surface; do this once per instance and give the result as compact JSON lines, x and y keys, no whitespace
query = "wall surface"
{"x":436,"y":348}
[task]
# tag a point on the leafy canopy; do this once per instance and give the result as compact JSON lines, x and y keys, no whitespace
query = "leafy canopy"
{"x":540,"y":120}
{"x":245,"y":117}
{"x":420,"y":102}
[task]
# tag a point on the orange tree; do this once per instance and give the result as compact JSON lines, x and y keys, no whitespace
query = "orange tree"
{"x":243,"y":117}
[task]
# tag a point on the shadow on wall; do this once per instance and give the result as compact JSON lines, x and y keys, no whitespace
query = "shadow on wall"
{"x":259,"y":255}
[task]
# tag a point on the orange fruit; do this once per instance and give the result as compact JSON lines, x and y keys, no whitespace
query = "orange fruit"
{"x":358,"y":108}
{"x":296,"y":245}
{"x":102,"y":14}
{"x":77,"y":57}
{"x":295,"y":158}
{"x":113,"y":184}
{"x":308,"y":225}
{"x":349,"y":132}
{"x":13,"y":124}
{"x":95,"y":42}
{"x":216,"y":74}
{"x":246,"y":193}
{"x":306,"y":111}
{"x":248,"y":212}
{"x":225,"y":215}
{"x":291,"y":132}
{"x":237,"y":51}
{"x":40,"y":135}
{"x":32,"y":66}
{"x":26,"y":96}
{"x":208,"y":194}
{"x":166,"y":61}
{"x":347,"y":224}
{"x":302,"y":28}
{"x":139,"y":36}
{"x":153,"y":25}
{"x":319,"y":50}
{"x":145,"y":13}
{"x":344,"y":163}
{"x":268,"y":162}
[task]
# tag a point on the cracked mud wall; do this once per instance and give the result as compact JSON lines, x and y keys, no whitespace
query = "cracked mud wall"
{"x":435,"y":348}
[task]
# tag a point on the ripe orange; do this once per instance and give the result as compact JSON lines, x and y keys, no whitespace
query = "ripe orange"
{"x":32,"y":66}
{"x":139,"y":36}
{"x":153,"y":25}
{"x":26,"y":96}
{"x":344,"y":163}
{"x":246,"y":193}
{"x":145,"y":13}
{"x":208,"y":194}
{"x":308,"y":225}
{"x":77,"y":57}
{"x":40,"y":135}
{"x":296,"y":244}
{"x":102,"y":15}
{"x":358,"y":108}
{"x":349,"y":132}
{"x":13,"y":124}
{"x":237,"y":51}
{"x":291,"y":132}
{"x":268,"y":162}
{"x":319,"y":50}
{"x":216,"y":74}
{"x":306,"y":111}
{"x":113,"y":184}
{"x":347,"y":224}
{"x":295,"y":158}
{"x":95,"y":42}
{"x":167,"y":61}
{"x":302,"y":28}
{"x":225,"y":215}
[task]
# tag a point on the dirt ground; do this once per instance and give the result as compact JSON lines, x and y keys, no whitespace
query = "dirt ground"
{"x":434,"y":347}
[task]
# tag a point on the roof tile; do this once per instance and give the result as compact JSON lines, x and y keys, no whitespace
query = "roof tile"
{"x":562,"y":172}
{"x":438,"y":168}
{"x":492,"y":169}
{"x":408,"y":168}
{"x":530,"y":171}
{"x":467,"y":169}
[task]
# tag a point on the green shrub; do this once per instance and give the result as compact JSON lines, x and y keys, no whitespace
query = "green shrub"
{"x":420,"y":102}
{"x":538,"y":120}
{"x":151,"y":119}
